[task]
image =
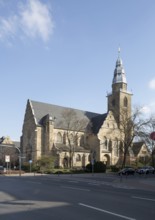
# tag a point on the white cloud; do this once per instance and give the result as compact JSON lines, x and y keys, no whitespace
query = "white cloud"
{"x":149,"y":109}
{"x":32,"y":19}
{"x":145,"y":110}
{"x":36,"y":20}
{"x":8,"y":27}
{"x":152,"y":84}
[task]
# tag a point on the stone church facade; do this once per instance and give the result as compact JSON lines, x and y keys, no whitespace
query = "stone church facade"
{"x":44,"y":132}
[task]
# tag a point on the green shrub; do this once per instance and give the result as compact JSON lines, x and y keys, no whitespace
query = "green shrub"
{"x":26,"y":167}
{"x":98,"y":167}
{"x":114,"y":168}
{"x":59,"y":172}
{"x":77,"y":170}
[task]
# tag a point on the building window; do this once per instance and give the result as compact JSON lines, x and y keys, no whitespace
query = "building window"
{"x":116,"y":148}
{"x":144,"y":152}
{"x":64,"y":138}
{"x":113,"y":102}
{"x":105,"y":143}
{"x":59,"y":138}
{"x":110,"y":145}
{"x":75,"y":140}
{"x":116,"y":151}
{"x":82,"y":141}
{"x":125,"y":102}
{"x":71,"y":138}
{"x":78,"y":158}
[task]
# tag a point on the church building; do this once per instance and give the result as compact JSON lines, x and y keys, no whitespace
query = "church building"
{"x":47,"y":128}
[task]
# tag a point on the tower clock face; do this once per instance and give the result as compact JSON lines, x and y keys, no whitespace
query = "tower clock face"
{"x":113,"y":102}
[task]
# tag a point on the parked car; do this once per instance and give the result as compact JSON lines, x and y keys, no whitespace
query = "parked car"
{"x":127,"y":171}
{"x":146,"y":170}
{"x":2,"y":170}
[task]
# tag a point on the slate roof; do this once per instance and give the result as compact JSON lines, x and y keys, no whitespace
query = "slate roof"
{"x":16,"y":143}
{"x":97,"y":122}
{"x":137,"y":147}
{"x":41,"y":110}
{"x":63,"y":147}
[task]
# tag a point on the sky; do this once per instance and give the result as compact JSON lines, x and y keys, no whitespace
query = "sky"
{"x":64,"y":52}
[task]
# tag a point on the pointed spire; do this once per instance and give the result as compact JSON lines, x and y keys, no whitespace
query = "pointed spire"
{"x":119,"y":51}
{"x":119,"y":72}
{"x":119,"y":61}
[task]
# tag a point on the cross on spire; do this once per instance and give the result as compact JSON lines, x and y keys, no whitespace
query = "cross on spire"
{"x":119,"y":51}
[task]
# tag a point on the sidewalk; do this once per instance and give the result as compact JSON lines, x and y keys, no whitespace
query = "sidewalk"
{"x":143,"y":183}
{"x":25,"y":174}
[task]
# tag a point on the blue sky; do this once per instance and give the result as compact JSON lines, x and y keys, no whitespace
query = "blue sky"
{"x":64,"y":52}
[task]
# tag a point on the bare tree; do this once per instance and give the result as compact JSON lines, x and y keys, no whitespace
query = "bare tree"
{"x":130,"y":125}
{"x":145,"y":136}
{"x":73,"y":126}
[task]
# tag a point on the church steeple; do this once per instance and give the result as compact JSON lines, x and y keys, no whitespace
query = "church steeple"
{"x":120,"y":98}
{"x":119,"y":78}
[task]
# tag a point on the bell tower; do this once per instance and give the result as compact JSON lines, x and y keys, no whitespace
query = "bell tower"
{"x":119,"y":99}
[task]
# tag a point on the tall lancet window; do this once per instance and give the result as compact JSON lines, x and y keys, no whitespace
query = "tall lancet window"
{"x":125,"y":102}
{"x":59,"y":138}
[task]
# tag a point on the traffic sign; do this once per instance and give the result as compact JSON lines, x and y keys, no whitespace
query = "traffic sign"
{"x":7,"y":158}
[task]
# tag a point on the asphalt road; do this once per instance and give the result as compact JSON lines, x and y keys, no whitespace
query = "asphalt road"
{"x":74,"y":197}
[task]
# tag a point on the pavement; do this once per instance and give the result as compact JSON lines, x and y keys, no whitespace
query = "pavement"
{"x":142,"y":182}
{"x":137,"y":182}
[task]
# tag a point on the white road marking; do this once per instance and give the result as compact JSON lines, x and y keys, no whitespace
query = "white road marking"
{"x":73,"y":181}
{"x":68,"y":187}
{"x":33,"y":182}
{"x":105,"y":211}
{"x":56,"y":180}
{"x":142,"y":198}
{"x":95,"y":184}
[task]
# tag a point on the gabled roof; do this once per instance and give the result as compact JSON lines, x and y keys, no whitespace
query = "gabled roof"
{"x":41,"y":110}
{"x":97,"y":122}
{"x":137,"y":147}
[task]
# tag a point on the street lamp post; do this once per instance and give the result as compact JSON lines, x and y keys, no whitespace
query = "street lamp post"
{"x":20,"y":159}
{"x":93,"y":161}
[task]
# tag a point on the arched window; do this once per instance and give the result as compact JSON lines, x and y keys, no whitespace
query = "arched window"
{"x":78,"y":157}
{"x":113,"y":102}
{"x":71,"y":138}
{"x":75,"y":140}
{"x":59,"y":138}
{"x":110,"y":145}
{"x":64,"y":138}
{"x":116,"y":148}
{"x":82,"y":141}
{"x":125,"y":102}
{"x":105,"y":143}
